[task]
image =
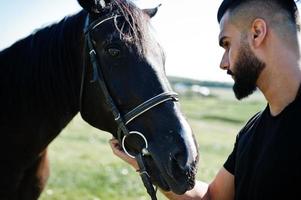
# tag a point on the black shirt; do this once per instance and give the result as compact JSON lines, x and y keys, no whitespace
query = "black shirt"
{"x":266,"y":160}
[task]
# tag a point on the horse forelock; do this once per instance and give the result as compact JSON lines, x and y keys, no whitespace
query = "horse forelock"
{"x":138,"y":22}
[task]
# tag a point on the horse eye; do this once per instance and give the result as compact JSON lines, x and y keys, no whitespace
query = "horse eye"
{"x":114,"y":52}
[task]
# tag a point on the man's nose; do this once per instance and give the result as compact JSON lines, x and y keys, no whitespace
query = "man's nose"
{"x":224,"y":62}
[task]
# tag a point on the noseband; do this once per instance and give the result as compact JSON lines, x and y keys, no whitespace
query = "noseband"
{"x":122,"y":121}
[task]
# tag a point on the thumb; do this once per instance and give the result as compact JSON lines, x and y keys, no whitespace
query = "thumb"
{"x":117,"y":150}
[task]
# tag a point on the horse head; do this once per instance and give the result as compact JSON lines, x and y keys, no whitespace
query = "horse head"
{"x":125,"y":92}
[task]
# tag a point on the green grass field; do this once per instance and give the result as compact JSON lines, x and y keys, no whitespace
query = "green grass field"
{"x":84,"y":168}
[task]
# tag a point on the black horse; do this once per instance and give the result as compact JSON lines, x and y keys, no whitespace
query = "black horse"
{"x":105,"y":63}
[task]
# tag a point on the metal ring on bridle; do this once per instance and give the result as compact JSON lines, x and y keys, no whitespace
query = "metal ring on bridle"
{"x":130,"y":133}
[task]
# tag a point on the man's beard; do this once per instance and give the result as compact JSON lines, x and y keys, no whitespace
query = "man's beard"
{"x":247,"y":70}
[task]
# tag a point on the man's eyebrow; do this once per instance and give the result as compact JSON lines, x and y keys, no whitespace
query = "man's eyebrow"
{"x":221,"y":41}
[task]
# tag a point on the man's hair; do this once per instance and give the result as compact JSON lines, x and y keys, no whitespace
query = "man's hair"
{"x":275,"y":12}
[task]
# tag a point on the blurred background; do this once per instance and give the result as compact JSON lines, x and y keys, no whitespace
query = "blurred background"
{"x":82,"y":164}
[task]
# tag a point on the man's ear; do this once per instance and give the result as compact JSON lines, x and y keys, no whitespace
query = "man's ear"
{"x":93,"y":6}
{"x":258,"y":32}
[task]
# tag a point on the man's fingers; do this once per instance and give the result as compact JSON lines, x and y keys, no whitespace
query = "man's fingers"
{"x":115,"y":146}
{"x":114,"y":142}
{"x":117,"y":150}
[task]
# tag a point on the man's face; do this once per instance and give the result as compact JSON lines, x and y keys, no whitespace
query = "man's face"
{"x":239,"y":60}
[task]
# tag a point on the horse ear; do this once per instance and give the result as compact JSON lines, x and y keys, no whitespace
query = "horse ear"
{"x":151,"y":11}
{"x":93,"y":6}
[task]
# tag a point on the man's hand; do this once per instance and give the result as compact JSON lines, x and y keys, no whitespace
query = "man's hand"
{"x":117,"y":150}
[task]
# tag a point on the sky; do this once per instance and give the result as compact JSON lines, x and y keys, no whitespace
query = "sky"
{"x":187,"y":29}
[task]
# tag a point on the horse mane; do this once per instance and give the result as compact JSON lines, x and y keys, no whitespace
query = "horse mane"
{"x":39,"y":70}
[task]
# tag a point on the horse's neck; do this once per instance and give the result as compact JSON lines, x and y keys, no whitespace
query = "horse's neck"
{"x":41,"y":74}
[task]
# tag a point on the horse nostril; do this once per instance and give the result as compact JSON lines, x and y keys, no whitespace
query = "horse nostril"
{"x":177,"y":165}
{"x":179,"y":159}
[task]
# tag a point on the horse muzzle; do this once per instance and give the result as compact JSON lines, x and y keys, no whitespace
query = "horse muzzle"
{"x":175,"y":174}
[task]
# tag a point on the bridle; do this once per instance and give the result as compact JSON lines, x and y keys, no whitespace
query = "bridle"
{"x":122,"y":121}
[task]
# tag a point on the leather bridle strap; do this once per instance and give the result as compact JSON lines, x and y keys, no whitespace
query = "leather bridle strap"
{"x":98,"y":76}
{"x":149,"y":104}
{"x":142,"y":108}
{"x":145,"y":177}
